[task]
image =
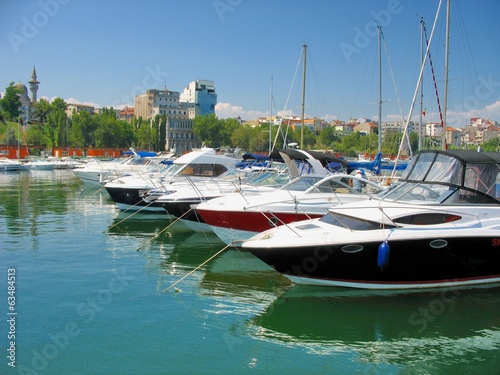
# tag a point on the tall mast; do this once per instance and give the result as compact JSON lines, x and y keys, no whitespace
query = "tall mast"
{"x":447,"y":53}
{"x":270,"y":116}
{"x":379,"y":29}
{"x":303,"y":98}
{"x":422,"y":28}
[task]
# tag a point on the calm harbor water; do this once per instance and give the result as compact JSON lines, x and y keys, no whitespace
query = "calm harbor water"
{"x":90,"y":298}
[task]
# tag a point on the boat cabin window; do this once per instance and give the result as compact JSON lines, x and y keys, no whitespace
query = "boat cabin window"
{"x":352,"y":223}
{"x":428,"y":219}
{"x":202,"y":170}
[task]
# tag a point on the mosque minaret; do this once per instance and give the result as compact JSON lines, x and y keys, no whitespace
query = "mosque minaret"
{"x":33,"y":83}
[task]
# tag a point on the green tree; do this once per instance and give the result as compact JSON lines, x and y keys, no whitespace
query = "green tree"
{"x":243,"y":137}
{"x":82,"y":130}
{"x":57,"y":123}
{"x":226,"y":128}
{"x":491,"y":145}
{"x":42,"y":110}
{"x":59,"y":104}
{"x":327,"y":137}
{"x":207,"y":130}
{"x":145,"y":136}
{"x":10,"y":137}
{"x":37,"y":135}
{"x":10,"y":103}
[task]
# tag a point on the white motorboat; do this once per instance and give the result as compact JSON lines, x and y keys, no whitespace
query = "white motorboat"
{"x":96,"y":172}
{"x":181,"y":197}
{"x":7,"y":165}
{"x":438,"y":226}
{"x":40,"y":164}
{"x":127,"y":191}
{"x":239,"y":216}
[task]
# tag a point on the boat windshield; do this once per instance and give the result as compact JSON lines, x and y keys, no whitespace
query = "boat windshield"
{"x":302,"y":183}
{"x":269,"y":178}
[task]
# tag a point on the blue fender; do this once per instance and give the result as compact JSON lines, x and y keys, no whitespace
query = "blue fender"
{"x":384,"y":251}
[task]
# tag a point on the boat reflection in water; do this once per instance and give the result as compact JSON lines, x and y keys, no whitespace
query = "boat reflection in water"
{"x":426,"y":331}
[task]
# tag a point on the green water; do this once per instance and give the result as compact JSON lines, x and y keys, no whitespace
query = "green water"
{"x":90,"y":299}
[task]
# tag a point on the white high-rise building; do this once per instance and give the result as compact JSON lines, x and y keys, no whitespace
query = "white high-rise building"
{"x":200,"y":94}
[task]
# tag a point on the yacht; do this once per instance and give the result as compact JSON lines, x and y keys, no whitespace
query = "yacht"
{"x":438,"y":226}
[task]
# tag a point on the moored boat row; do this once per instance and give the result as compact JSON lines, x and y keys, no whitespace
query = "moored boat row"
{"x":437,"y":226}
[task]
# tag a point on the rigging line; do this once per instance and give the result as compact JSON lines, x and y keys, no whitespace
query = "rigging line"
{"x":392,"y":76}
{"x":197,"y":268}
{"x":381,"y":209}
{"x":321,"y":100}
{"x":471,"y":55}
{"x":163,"y":230}
{"x":395,"y":87}
{"x":418,"y":84}
{"x":434,"y":81}
{"x":361,"y":80}
{"x":286,"y":104}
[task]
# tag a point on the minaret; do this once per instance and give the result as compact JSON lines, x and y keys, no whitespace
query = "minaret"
{"x":33,"y":86}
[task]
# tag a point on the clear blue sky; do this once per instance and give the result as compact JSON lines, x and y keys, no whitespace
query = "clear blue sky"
{"x":103,"y":52}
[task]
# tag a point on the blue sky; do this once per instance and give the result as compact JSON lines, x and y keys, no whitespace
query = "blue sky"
{"x":103,"y":52}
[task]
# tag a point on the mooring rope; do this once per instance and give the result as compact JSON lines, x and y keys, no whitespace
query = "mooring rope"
{"x":163,"y":230}
{"x":129,"y":216}
{"x":197,"y":268}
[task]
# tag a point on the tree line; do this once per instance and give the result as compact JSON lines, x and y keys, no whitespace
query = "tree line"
{"x":54,"y":128}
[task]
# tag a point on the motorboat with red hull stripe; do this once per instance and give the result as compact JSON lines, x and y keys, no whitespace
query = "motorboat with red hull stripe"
{"x":438,"y":226}
{"x":235,"y":217}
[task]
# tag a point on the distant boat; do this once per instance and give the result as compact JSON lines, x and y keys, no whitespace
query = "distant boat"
{"x":7,"y":165}
{"x":40,"y":164}
{"x":96,"y":172}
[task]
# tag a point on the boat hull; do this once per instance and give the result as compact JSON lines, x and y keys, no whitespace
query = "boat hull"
{"x":183,"y":209}
{"x":126,"y":197}
{"x":418,"y":263}
{"x":252,"y":222}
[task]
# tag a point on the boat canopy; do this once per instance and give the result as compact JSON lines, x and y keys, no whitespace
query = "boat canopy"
{"x":464,"y":169}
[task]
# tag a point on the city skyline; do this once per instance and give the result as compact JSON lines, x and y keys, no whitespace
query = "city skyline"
{"x":105,"y":53}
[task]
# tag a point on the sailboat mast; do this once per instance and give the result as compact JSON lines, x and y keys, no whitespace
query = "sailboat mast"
{"x":270,"y":117}
{"x":422,"y":30}
{"x":379,"y":29}
{"x":303,"y":98}
{"x":447,"y":53}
